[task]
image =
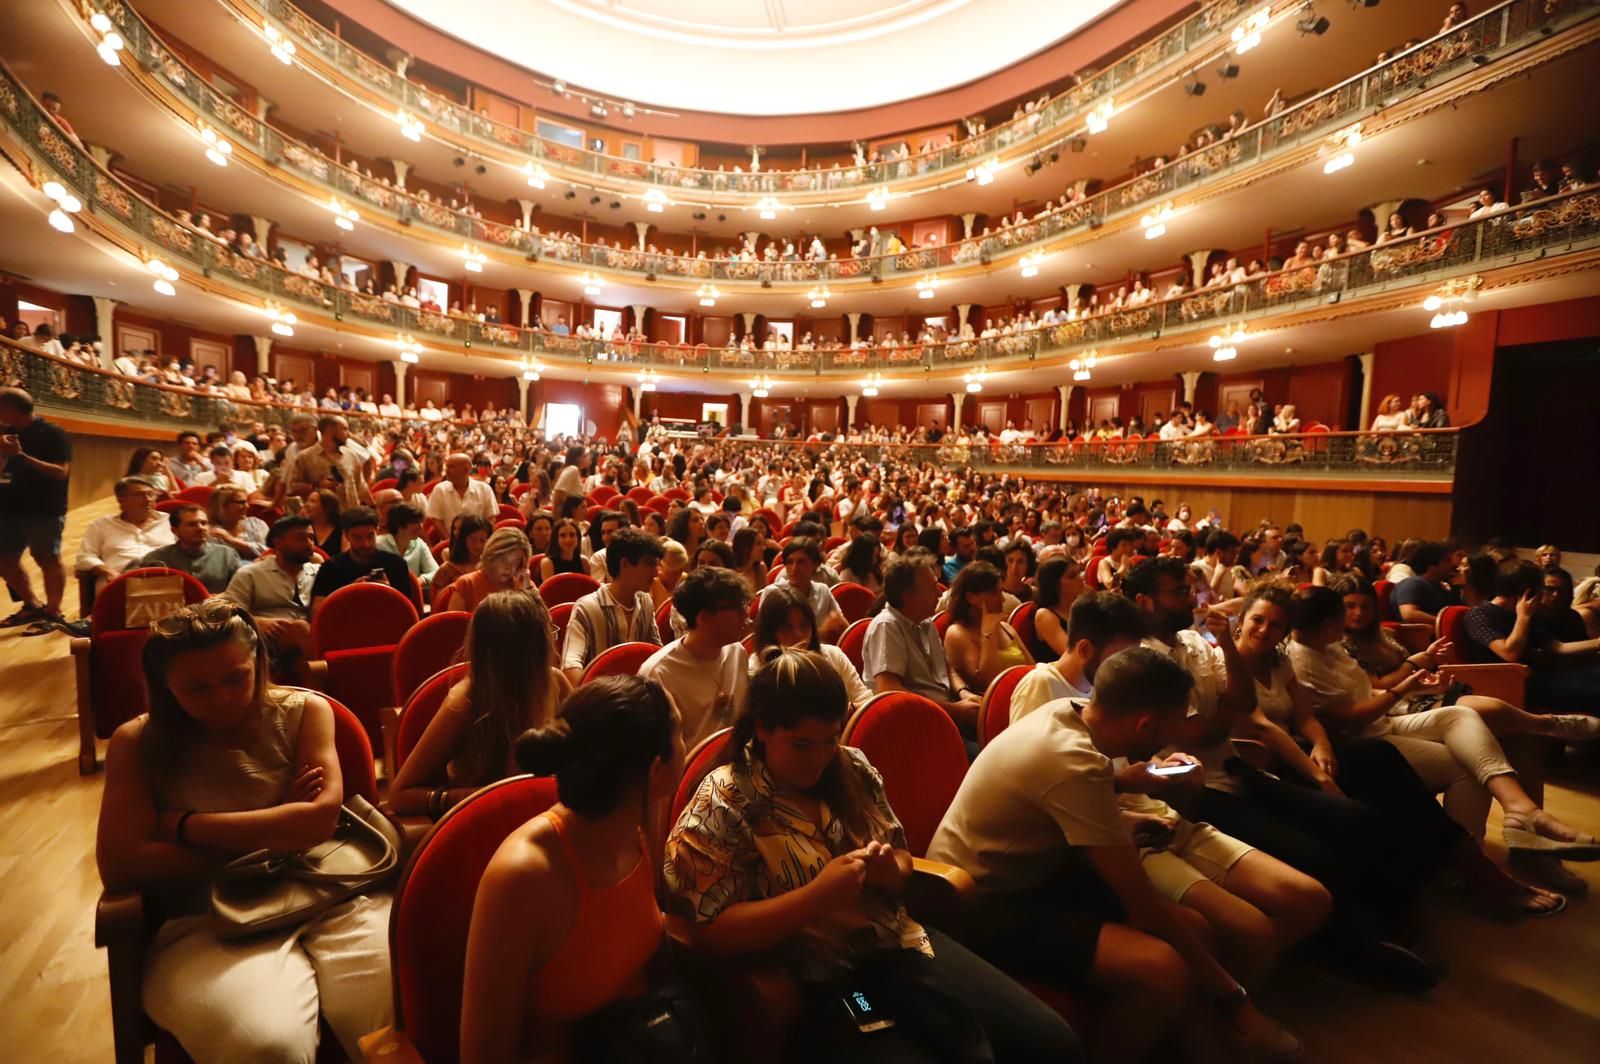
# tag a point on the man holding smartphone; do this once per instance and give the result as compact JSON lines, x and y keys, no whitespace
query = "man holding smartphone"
{"x":362,"y":562}
{"x":35,"y":462}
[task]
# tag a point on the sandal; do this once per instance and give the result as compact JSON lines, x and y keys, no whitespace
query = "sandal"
{"x":26,"y":615}
{"x":44,"y":625}
{"x":1550,"y":874}
{"x":1573,"y":727}
{"x":1522,"y":834}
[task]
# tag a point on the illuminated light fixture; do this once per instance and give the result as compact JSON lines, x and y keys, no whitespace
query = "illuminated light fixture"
{"x":54,"y":189}
{"x":1030,"y":264}
{"x":648,"y":381}
{"x":1225,"y":345}
{"x":344,"y":217}
{"x":1081,"y":367}
{"x":282,"y":47}
{"x":1342,"y":144}
{"x":536,"y":174}
{"x":558,"y":87}
{"x":60,"y":222}
{"x":869,"y":387}
{"x":1099,"y":117}
{"x":473,"y":260}
{"x":592,"y":283}
{"x":1247,"y":34}
{"x":217,"y":147}
{"x":111,"y":42}
{"x":708,"y":295}
{"x":161,"y":270}
{"x":878,"y":198}
{"x":761,"y":387}
{"x":100,"y":22}
{"x":1448,"y":319}
{"x":1449,"y":302}
{"x":283,"y":321}
{"x":655,"y":201}
{"x":974,"y":379}
{"x":768,"y":206}
{"x":1155,"y":223}
{"x":926,"y":287}
{"x":1432,"y":303}
{"x":164,"y":286}
{"x":410,"y":350}
{"x":1342,"y":161}
{"x":410,"y":128}
{"x":56,"y":192}
{"x":984,"y":172}
{"x":530,"y":370}
{"x":819,"y":297}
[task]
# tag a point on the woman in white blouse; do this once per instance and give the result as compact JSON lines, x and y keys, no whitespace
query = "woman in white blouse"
{"x":1391,"y":415}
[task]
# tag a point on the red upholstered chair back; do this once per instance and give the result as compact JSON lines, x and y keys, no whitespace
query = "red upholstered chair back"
{"x":770,"y":516}
{"x":995,"y":712}
{"x":508,"y":522}
{"x":941,"y":622}
{"x":353,"y":750}
{"x":832,"y":542}
{"x":362,"y":615}
{"x":1022,"y":621}
{"x":559,"y":616}
{"x":1450,"y":627}
{"x":604,"y":493}
{"x":853,"y":599}
{"x":676,"y":493}
{"x":430,"y":645}
{"x":385,"y":484}
{"x":623,"y":659}
{"x":1384,"y":589}
{"x":427,"y":489}
{"x":695,"y":766}
{"x":917,"y":748}
{"x":773,"y":574}
{"x":659,"y":503}
{"x":641,"y":494}
{"x":438,"y":548}
{"x":664,"y":621}
{"x":433,"y":908}
{"x":116,"y":656}
{"x":166,"y":506}
{"x":418,"y":710}
{"x":200,"y":494}
{"x":566,"y":587}
{"x":112,"y":602}
{"x":853,"y":640}
{"x":508,"y":513}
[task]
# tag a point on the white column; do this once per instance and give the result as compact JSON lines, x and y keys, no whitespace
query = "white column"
{"x":1381,"y":212}
{"x":747,"y":411}
{"x":1366,"y":391}
{"x":263,"y":106}
{"x":401,"y":269}
{"x":963,"y":311}
{"x":855,"y":323}
{"x":641,"y":228}
{"x":527,"y":206}
{"x":527,"y":386}
{"x":955,"y":422}
{"x":968,"y":220}
{"x":750,"y":325}
{"x":401,"y":169}
{"x":100,"y":154}
{"x":638,"y":398}
{"x":1072,"y":291}
{"x":639,"y":311}
{"x":1197,"y":264}
{"x":1065,"y":391}
{"x":401,"y":61}
{"x":263,"y":355}
{"x":104,"y":325}
{"x":525,"y":298}
{"x":262,"y":230}
{"x":850,"y":410}
{"x":1191,"y":381}
{"x":400,"y":367}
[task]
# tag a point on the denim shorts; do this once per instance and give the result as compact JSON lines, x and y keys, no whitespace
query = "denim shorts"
{"x":38,"y":534}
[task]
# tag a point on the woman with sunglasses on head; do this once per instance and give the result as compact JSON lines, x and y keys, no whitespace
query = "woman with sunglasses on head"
{"x":222,"y":765}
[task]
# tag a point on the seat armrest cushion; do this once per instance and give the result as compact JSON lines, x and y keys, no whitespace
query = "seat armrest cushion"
{"x":389,"y":1046}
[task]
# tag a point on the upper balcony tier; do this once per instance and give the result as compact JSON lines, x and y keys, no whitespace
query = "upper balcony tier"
{"x":1555,"y":237}
{"x":1385,"y":96}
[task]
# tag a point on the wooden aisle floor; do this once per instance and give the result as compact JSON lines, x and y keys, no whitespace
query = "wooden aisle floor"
{"x":1525,"y":991}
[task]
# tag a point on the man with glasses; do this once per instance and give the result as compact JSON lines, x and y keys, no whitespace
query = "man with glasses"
{"x":114,"y":542}
{"x":707,"y":669}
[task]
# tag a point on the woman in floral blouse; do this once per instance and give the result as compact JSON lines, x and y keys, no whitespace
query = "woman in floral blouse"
{"x":790,"y":845}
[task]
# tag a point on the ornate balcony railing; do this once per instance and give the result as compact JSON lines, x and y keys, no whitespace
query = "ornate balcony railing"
{"x":1513,"y":25}
{"x":1424,"y":455}
{"x":1554,"y":226}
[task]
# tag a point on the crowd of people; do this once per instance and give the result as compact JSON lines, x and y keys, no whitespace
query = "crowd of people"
{"x":1217,"y":752}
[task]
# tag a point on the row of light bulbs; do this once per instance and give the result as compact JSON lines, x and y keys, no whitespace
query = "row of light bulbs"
{"x":111,"y":42}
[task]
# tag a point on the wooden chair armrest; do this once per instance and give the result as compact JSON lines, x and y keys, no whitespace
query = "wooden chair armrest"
{"x":389,"y":724}
{"x":121,"y":929}
{"x":1506,"y":681}
{"x":389,"y":1046}
{"x":314,"y":674}
{"x":1414,"y":637}
{"x":83,"y":676}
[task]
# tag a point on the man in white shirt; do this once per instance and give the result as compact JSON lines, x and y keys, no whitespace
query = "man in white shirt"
{"x":707,"y":671}
{"x":114,"y":542}
{"x":1101,"y":624}
{"x":222,"y":472}
{"x":388,"y":408}
{"x":191,"y":460}
{"x":1174,"y":428}
{"x":570,"y":480}
{"x":455,"y":495}
{"x":621,"y":611}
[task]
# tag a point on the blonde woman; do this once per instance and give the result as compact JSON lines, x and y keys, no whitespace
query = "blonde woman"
{"x":502,"y":567}
{"x":231,"y":523}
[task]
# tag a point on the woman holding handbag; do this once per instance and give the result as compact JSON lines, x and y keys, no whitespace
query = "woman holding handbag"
{"x":790,"y":845}
{"x":225,"y":765}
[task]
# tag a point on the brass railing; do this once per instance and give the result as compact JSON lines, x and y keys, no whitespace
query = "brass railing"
{"x":1510,"y":26}
{"x":1554,"y":226}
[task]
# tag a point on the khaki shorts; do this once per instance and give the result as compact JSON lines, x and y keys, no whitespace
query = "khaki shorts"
{"x":1197,"y":852}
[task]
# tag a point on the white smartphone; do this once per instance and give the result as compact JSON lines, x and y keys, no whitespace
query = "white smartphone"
{"x":1174,"y":770}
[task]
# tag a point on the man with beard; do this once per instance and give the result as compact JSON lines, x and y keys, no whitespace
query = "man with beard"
{"x":1099,"y":625}
{"x":362,"y":561}
{"x":277,"y":591}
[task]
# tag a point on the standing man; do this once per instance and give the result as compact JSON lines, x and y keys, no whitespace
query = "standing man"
{"x":455,"y":496}
{"x":332,"y":465}
{"x":35,"y":461}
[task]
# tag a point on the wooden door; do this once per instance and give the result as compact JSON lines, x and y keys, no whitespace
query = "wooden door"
{"x":1234,"y":392}
{"x":825,"y":417}
{"x":425,"y":388}
{"x":774,"y":414}
{"x":1153,"y":405}
{"x":298,"y":368}
{"x":210,"y":353}
{"x":932,"y":414}
{"x":135,"y":340}
{"x":359,"y":378}
{"x":1101,"y":408}
{"x":1042,"y":412}
{"x":992,"y":416}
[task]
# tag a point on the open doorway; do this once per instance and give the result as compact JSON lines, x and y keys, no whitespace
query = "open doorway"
{"x":562,"y":419}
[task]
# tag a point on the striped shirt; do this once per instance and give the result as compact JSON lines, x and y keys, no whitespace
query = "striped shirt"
{"x":598,"y":623}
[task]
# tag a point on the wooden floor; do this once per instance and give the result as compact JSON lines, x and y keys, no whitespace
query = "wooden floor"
{"x":1524,"y":992}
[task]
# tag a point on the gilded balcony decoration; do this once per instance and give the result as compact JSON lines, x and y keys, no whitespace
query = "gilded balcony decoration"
{"x":1389,"y":258}
{"x":111,"y":195}
{"x":172,"y":235}
{"x":1576,"y":211}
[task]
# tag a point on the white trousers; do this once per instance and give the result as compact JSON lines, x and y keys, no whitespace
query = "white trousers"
{"x":259,"y":999}
{"x":1453,"y":751}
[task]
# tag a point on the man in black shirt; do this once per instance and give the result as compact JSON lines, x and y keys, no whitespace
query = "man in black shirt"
{"x":362,"y":561}
{"x":35,"y":461}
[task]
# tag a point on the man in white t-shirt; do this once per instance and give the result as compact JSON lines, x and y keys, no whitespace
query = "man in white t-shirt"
{"x":1101,"y":624}
{"x":455,"y":495}
{"x":707,"y":670}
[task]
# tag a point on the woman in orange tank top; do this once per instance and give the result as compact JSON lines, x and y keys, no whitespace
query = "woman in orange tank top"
{"x":569,"y":899}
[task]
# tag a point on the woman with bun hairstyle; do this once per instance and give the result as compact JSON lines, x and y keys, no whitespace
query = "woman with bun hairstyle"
{"x":565,"y":918}
{"x":790,"y":845}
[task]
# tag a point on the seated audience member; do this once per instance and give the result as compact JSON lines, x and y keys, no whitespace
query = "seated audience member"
{"x":534,"y":972}
{"x":1100,"y":624}
{"x":1045,"y":791}
{"x":706,"y":670}
{"x":601,"y":529}
{"x":1338,"y":559}
{"x":621,"y":610}
{"x":228,"y":511}
{"x":457,"y":495}
{"x":963,"y":547}
{"x":674,"y":563}
{"x":790,"y":845}
{"x":191,"y":460}
{"x":404,"y":537}
{"x":566,"y":551}
{"x":276,"y":591}
{"x":862,"y":562}
{"x":979,"y":644}
{"x":324,"y":511}
{"x":1121,"y":552}
{"x":222,"y":765}
{"x":1419,"y":599}
{"x":116,"y":541}
{"x":1060,"y":583}
{"x":903,"y":652}
{"x":801,"y":558}
{"x":150,"y":465}
{"x":361,"y":562}
{"x":1450,"y":747}
{"x":1508,"y":627}
{"x":222,"y":472}
{"x":1222,"y":577}
{"x":383,"y":501}
{"x":467,"y":540}
{"x":193,"y":551}
{"x":503,"y":567}
{"x":1019,"y":568}
{"x":747,"y":559}
{"x":512,"y":685}
{"x":541,"y":531}
{"x":1391,"y":415}
{"x":785,"y":620}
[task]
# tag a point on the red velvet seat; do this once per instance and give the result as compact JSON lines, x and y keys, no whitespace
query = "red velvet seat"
{"x":508,"y":513}
{"x":853,"y":640}
{"x":770,"y":516}
{"x":773,"y":574}
{"x":831,"y":542}
{"x":1022,"y":620}
{"x":354,"y":634}
{"x":1384,"y":589}
{"x":566,"y":587}
{"x":918,"y":750}
{"x":676,"y":493}
{"x":641,"y":494}
{"x":419,"y":709}
{"x":433,"y":910}
{"x":696,"y":765}
{"x":853,"y":599}
{"x":995,"y":712}
{"x":385,"y":484}
{"x":508,"y":522}
{"x":108,"y":665}
{"x":430,"y":645}
{"x":604,"y":494}
{"x":559,"y":616}
{"x":623,"y":659}
{"x":664,"y":621}
{"x":941,"y":622}
{"x":659,"y":504}
{"x":199,"y":494}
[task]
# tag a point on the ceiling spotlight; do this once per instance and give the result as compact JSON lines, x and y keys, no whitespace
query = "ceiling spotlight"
{"x":1247,"y":34}
{"x":66,"y":201}
{"x":819,"y":297}
{"x":282,"y":321}
{"x":343,"y":217}
{"x":558,"y":87}
{"x":1343,"y":144}
{"x":616,"y":205}
{"x":648,"y":380}
{"x":282,"y":47}
{"x":1030,"y":264}
{"x":878,"y":198}
{"x":410,"y":350}
{"x":1195,"y":87}
{"x":100,"y":22}
{"x":627,"y":110}
{"x":60,"y":222}
{"x":1155,"y":223}
{"x":279,"y":328}
{"x":217,"y":148}
{"x":1100,"y":116}
{"x":1312,"y":24}
{"x":1228,"y":70}
{"x":110,"y":47}
{"x":594,"y":200}
{"x":1077,"y":144}
{"x":161,"y":270}
{"x":599,"y":110}
{"x":1080,"y":367}
{"x":974,"y":379}
{"x":869,"y":387}
{"x":655,"y":201}
{"x":761,"y":387}
{"x":592,"y":283}
{"x":984,"y":172}
{"x":768,"y":206}
{"x":1225,"y":345}
{"x":926,"y":287}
